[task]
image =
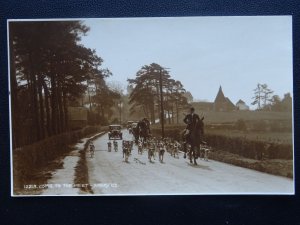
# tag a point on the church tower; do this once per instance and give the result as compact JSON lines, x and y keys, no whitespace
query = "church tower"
{"x":221,"y":103}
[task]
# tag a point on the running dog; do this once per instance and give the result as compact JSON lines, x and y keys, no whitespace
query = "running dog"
{"x":204,"y":151}
{"x":151,"y":152}
{"x":161,"y":153}
{"x":140,"y":148}
{"x":175,"y":149}
{"x":109,"y":146}
{"x":92,"y":149}
{"x":126,"y":150}
{"x":115,"y":145}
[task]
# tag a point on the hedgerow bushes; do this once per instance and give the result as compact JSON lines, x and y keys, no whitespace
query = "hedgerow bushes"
{"x":32,"y":157}
{"x":253,"y":149}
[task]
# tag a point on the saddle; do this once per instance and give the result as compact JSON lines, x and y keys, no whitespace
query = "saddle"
{"x":186,"y":132}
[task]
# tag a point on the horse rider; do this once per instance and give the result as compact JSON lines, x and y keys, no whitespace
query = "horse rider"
{"x":147,"y":123}
{"x":191,"y":120}
{"x":144,"y":125}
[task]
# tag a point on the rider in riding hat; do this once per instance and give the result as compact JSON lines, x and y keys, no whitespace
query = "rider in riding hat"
{"x":191,"y":120}
{"x":147,"y":122}
{"x":144,"y":124}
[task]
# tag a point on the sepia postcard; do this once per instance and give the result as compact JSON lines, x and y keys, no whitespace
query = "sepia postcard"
{"x":151,"y":106}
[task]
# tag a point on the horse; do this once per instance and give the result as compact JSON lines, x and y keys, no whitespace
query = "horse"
{"x":142,"y":131}
{"x":193,"y":139}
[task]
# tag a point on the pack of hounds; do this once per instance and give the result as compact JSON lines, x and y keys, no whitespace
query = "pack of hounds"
{"x":153,"y":147}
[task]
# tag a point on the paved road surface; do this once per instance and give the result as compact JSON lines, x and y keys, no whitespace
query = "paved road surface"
{"x":110,"y":175}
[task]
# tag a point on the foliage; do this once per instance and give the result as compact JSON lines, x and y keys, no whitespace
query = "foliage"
{"x":253,"y":149}
{"x":146,"y":93}
{"x":262,"y":96}
{"x":32,"y":157}
{"x":240,"y":125}
{"x":50,"y":70}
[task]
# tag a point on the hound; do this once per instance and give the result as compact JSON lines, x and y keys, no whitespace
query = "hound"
{"x":204,"y":151}
{"x":115,"y":145}
{"x":92,"y":149}
{"x":175,"y":150}
{"x":162,"y":150}
{"x":151,"y":152}
{"x":109,"y":146}
{"x":140,"y":148}
{"x":125,"y":147}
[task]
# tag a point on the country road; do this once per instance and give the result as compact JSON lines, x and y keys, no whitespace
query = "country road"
{"x":110,"y":175}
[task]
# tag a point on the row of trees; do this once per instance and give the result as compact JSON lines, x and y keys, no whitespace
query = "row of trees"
{"x":49,"y":71}
{"x":150,"y":82}
{"x":265,"y":100}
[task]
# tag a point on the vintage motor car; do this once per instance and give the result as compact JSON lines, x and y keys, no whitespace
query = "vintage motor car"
{"x":115,"y":132}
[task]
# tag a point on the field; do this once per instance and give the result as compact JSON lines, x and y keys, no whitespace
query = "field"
{"x":231,"y":117}
{"x":264,"y":142}
{"x":259,"y":125}
{"x":271,"y":137}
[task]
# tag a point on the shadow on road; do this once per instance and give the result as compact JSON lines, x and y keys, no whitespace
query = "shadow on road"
{"x":199,"y":166}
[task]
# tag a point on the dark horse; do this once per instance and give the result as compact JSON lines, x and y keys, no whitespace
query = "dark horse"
{"x":142,"y":131}
{"x":193,"y":139}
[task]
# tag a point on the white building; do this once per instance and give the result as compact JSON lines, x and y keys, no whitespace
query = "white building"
{"x":241,"y":105}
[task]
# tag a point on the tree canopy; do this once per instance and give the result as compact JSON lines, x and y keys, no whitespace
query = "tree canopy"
{"x":49,"y":70}
{"x":145,"y":94}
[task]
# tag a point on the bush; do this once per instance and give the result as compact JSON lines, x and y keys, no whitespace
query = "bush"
{"x":260,"y":125}
{"x":32,"y":157}
{"x":240,"y":125}
{"x":253,"y":149}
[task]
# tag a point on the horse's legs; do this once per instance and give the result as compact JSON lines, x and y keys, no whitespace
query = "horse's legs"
{"x":184,"y":149}
{"x":193,"y":154}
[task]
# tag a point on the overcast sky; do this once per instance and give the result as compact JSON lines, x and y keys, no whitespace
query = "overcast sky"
{"x":202,"y":52}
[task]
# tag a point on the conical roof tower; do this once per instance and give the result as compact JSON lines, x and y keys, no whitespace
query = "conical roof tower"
{"x":220,"y":96}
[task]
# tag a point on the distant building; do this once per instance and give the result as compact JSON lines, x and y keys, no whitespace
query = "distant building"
{"x":222,"y":103}
{"x":241,"y":105}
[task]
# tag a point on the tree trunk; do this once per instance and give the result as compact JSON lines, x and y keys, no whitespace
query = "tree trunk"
{"x":47,"y":106}
{"x":177,"y":112}
{"x":66,"y":110}
{"x":54,"y":105}
{"x":172,"y":110}
{"x":41,"y":106}
{"x":61,"y":123}
{"x":34,"y":96}
{"x":14,"y":96}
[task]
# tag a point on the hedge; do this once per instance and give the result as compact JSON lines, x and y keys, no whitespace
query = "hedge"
{"x":29,"y":158}
{"x":252,"y":149}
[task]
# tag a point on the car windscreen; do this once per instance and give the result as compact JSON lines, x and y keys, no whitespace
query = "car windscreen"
{"x":115,"y":128}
